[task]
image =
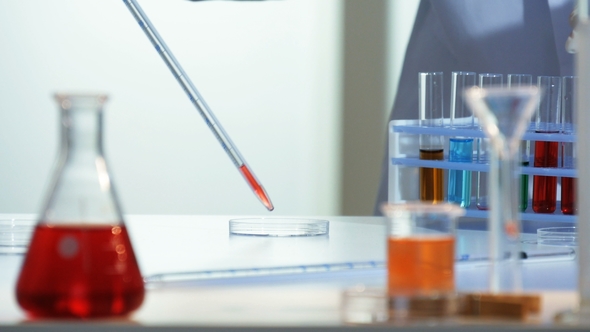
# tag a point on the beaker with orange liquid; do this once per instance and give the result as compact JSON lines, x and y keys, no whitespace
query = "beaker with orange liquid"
{"x":420,"y":258}
{"x":80,"y":261}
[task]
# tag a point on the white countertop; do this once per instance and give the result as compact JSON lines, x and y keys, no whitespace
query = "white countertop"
{"x":261,"y":281}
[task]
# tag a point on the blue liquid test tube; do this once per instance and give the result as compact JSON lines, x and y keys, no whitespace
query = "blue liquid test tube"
{"x":460,"y":148}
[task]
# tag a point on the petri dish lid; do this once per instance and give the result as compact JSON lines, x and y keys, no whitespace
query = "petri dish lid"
{"x":558,"y":236}
{"x":279,"y":227}
{"x":15,"y":235}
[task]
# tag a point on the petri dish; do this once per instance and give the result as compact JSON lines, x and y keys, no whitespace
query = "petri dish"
{"x":558,"y":236}
{"x":278,"y":227}
{"x":15,"y":235}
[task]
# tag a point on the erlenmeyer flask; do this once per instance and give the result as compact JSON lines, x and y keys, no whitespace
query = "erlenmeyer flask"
{"x":80,"y":262}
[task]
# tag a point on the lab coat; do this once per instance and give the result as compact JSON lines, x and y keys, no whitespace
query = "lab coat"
{"x":483,"y":36}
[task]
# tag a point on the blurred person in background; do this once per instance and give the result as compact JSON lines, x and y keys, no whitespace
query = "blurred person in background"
{"x":499,"y":36}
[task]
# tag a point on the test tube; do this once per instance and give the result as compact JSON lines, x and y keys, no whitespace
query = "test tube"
{"x":568,"y":185}
{"x":514,"y":81}
{"x":431,"y":146}
{"x":460,"y":148}
{"x":546,"y":152}
{"x":483,"y":154}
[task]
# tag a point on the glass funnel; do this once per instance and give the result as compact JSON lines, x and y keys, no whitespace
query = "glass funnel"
{"x":504,"y":115}
{"x":80,"y":262}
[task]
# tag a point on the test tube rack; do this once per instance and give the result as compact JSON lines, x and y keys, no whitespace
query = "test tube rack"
{"x":404,"y":164}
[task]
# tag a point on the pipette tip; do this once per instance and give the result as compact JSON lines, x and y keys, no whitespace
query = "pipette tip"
{"x":264,"y":199}
{"x":257,"y":187}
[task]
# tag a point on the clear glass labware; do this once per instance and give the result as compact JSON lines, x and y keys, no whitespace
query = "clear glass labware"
{"x":421,"y":259}
{"x":514,"y":81}
{"x":548,"y":121}
{"x":431,"y":146}
{"x":482,"y":144}
{"x":568,"y":151}
{"x":504,"y":115}
{"x":460,"y":148}
{"x":80,"y":261}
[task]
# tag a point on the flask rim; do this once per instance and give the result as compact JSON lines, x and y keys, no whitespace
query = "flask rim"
{"x":67,"y":99}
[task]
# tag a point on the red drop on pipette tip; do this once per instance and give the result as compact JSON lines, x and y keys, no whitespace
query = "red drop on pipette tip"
{"x":258,"y":189}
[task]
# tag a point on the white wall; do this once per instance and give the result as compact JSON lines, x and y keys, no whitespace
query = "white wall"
{"x":269,"y":71}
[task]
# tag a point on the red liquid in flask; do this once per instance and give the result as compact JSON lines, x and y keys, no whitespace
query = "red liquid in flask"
{"x":545,"y":187}
{"x":80,"y":271}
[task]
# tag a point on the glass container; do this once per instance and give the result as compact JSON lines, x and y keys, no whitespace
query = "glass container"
{"x":547,"y":121}
{"x":504,"y":115}
{"x":460,"y":148}
{"x":514,"y":81}
{"x":431,"y":146}
{"x":80,"y":261}
{"x":421,"y":258}
{"x":483,"y":150}
{"x":568,"y":152}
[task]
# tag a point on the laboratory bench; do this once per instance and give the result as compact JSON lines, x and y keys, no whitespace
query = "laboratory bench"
{"x":199,"y":277}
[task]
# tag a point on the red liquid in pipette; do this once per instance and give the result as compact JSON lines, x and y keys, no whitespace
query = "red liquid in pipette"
{"x":258,"y":190}
{"x":80,"y":271}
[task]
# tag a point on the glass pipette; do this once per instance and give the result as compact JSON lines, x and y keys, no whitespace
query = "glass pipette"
{"x":198,"y":101}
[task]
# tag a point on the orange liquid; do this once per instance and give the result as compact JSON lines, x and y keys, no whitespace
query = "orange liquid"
{"x":80,"y":271}
{"x":431,"y":179}
{"x":420,"y":265}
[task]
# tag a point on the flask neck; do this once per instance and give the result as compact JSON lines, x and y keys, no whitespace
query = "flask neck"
{"x":82,"y":133}
{"x":81,"y":191}
{"x":81,"y":120}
